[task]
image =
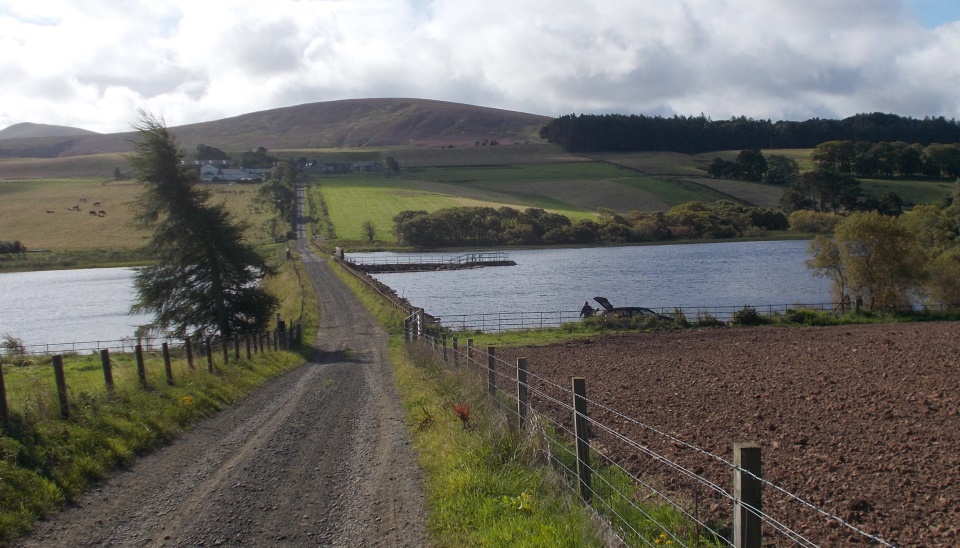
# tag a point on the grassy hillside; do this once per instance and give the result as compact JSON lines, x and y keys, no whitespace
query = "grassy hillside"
{"x":95,"y":166}
{"x":24,"y":207}
{"x":330,"y":124}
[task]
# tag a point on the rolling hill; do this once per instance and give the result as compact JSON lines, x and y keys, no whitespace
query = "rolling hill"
{"x":346,"y":123}
{"x":28,"y":130}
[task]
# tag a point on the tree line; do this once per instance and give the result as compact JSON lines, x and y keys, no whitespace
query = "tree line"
{"x":695,"y":134}
{"x":14,"y":247}
{"x":487,"y":226}
{"x":888,"y":159}
{"x":880,"y":261}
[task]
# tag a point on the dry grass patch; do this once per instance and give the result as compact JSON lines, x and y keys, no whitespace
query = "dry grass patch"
{"x":100,"y":166}
{"x":590,"y":195}
{"x":751,"y":193}
{"x":56,"y":213}
{"x":660,"y":163}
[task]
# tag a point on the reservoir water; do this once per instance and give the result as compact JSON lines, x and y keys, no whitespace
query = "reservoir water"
{"x":728,"y":274}
{"x":60,"y":306}
{"x":92,"y":305}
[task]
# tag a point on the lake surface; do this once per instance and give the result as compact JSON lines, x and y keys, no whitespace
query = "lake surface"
{"x":93,"y":304}
{"x":68,"y":305}
{"x":728,"y":274}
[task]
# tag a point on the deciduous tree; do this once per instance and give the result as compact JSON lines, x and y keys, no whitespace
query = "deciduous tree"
{"x":879,"y":258}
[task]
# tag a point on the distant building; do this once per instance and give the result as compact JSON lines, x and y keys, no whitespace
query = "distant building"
{"x":214,"y":174}
{"x":366,"y":166}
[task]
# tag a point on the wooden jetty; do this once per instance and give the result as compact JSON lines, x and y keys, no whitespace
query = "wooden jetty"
{"x":416,"y":263}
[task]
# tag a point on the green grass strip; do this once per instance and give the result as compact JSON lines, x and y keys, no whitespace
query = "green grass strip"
{"x":484,"y":485}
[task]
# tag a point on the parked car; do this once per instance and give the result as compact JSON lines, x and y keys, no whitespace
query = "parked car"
{"x":626,"y":311}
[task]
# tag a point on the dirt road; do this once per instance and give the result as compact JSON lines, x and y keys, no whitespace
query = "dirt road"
{"x":317,"y":457}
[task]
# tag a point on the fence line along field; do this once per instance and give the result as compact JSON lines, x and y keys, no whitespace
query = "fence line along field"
{"x":860,"y":420}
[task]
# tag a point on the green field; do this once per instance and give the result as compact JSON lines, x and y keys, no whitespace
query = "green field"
{"x":915,"y":192}
{"x":576,"y":190}
{"x":518,"y":176}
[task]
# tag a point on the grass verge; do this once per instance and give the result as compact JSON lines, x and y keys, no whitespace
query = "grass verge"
{"x":46,"y":460}
{"x":485,"y":486}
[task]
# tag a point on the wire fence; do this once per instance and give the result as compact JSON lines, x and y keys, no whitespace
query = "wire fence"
{"x":28,"y":383}
{"x":648,"y":485}
{"x":499,"y":322}
{"x":124,"y":345}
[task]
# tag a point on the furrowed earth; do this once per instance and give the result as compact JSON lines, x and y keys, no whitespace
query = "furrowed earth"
{"x":860,"y":421}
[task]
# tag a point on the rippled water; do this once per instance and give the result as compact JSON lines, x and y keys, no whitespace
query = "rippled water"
{"x":92,"y":305}
{"x":713,"y":274}
{"x":68,"y":305}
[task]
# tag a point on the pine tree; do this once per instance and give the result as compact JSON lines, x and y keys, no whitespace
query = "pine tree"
{"x":207,"y":278}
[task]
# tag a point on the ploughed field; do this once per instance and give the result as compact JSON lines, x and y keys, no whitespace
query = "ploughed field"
{"x":861,"y":421}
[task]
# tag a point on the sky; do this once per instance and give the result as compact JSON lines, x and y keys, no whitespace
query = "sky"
{"x":93,"y":63}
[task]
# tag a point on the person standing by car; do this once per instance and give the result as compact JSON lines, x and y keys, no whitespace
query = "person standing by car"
{"x":586,"y":311}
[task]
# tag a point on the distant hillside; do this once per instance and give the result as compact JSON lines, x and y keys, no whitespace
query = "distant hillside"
{"x":27,"y":130}
{"x":348,"y":123}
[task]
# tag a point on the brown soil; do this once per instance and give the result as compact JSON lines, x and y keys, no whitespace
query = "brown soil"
{"x":861,"y":421}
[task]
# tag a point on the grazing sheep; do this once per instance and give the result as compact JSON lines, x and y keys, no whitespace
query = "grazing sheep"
{"x":95,"y":204}
{"x":101,"y":213}
{"x":92,"y":212}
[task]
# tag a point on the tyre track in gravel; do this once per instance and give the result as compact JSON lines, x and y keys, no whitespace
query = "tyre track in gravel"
{"x":316,"y":457}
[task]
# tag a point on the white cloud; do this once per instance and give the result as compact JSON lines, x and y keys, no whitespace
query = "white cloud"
{"x":92,"y":65}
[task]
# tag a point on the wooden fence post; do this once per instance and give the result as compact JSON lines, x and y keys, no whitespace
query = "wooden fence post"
{"x":406,"y":330}
{"x":443,"y":344}
{"x":521,"y":392}
{"x":247,"y":340}
{"x":581,"y":429}
{"x":208,"y":346}
{"x":166,"y":363}
{"x":456,"y":354}
{"x":107,"y":369}
{"x":4,"y":411}
{"x":188,"y":347}
{"x":141,"y":367}
{"x":492,"y":372}
{"x":469,"y":352}
{"x":747,"y":490}
{"x":61,"y":386}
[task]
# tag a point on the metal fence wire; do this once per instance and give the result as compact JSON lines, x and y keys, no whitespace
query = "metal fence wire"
{"x":636,"y":476}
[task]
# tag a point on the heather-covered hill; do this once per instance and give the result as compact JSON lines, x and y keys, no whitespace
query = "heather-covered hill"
{"x":347,"y":123}
{"x":28,"y":130}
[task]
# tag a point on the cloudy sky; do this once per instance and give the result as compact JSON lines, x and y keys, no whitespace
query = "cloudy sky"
{"x":93,"y":63}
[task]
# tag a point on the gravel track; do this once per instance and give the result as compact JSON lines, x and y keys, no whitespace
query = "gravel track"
{"x":316,"y":457}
